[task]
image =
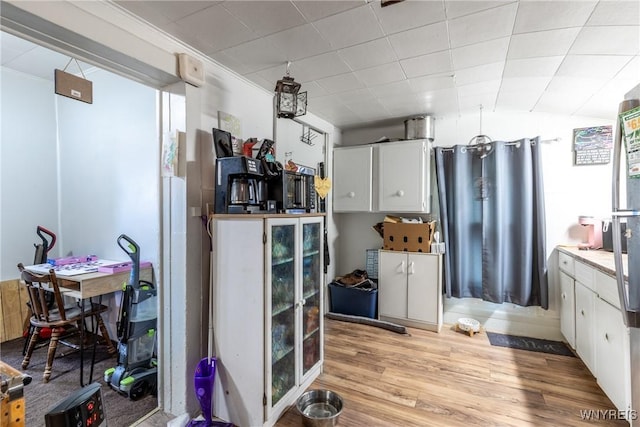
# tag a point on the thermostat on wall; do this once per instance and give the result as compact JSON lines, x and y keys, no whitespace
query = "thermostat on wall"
{"x":190,"y":70}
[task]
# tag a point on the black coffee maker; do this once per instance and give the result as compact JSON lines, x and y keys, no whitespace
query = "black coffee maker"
{"x":240,"y":186}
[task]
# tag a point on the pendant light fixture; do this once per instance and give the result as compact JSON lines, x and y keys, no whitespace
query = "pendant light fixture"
{"x":290,"y":102}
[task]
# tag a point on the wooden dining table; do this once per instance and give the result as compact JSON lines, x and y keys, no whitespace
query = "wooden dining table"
{"x":84,"y":286}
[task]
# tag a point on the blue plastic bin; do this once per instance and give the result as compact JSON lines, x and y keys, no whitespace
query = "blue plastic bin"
{"x":354,"y":301}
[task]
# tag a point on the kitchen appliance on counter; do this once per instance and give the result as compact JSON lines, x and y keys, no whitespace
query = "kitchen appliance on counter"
{"x":240,"y":186}
{"x":293,"y":192}
{"x":607,"y":236}
{"x":593,"y":229}
{"x":627,"y":145}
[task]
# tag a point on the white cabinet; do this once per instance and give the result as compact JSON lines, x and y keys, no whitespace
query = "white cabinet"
{"x":403,"y":176}
{"x":601,"y":338}
{"x":585,"y":324}
{"x":410,"y":288}
{"x":611,"y":339}
{"x":267,"y":304}
{"x":567,"y":308}
{"x":352,"y":179}
{"x":383,"y":177}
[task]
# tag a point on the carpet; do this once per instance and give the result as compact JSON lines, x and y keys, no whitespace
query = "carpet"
{"x":368,"y":321}
{"x":530,"y":344}
{"x":65,"y":379}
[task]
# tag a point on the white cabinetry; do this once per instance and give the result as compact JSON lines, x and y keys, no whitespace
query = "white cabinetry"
{"x":601,"y":338}
{"x":585,"y":324}
{"x":568,"y":308}
{"x":410,"y":288}
{"x":384,"y":177}
{"x":268,"y":299}
{"x":352,"y":179}
{"x":403,"y":176}
{"x":611,"y":339}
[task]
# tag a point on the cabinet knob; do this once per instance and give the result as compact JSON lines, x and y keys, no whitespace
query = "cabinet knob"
{"x":565,"y":262}
{"x":399,"y":193}
{"x":564,"y":295}
{"x":582,"y":312}
{"x":351,"y":194}
{"x":606,"y":336}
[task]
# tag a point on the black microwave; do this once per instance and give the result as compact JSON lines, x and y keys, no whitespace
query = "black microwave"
{"x":293,"y":192}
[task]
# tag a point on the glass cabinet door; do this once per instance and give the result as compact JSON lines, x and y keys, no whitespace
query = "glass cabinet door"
{"x":283,"y":362}
{"x":311,"y":287}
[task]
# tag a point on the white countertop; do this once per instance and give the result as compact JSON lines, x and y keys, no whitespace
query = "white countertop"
{"x":602,"y":260}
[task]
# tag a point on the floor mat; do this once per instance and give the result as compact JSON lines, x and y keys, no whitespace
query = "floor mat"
{"x":531,"y":344}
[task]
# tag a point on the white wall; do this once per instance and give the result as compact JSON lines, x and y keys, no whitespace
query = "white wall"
{"x":570,"y":191}
{"x":28,"y":167}
{"x":110,"y":169}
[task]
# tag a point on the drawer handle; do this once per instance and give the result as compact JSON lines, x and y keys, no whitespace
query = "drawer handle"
{"x":565,"y":262}
{"x":400,"y":193}
{"x":606,"y":336}
{"x":582,"y":312}
{"x":351,"y":194}
{"x":564,"y":295}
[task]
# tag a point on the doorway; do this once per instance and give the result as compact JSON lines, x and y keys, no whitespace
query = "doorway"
{"x":95,"y":166}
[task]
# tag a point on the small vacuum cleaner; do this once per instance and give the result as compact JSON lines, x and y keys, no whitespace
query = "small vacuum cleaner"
{"x":136,"y":374}
{"x":203,"y":382}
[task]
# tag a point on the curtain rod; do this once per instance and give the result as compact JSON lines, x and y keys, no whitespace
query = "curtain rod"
{"x":481,"y":146}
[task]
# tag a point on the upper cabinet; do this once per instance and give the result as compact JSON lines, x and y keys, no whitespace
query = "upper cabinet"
{"x":352,"y":179}
{"x":383,"y":177}
{"x":403,"y":176}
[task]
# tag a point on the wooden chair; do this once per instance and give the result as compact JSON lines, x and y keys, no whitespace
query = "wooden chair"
{"x":63,"y":321}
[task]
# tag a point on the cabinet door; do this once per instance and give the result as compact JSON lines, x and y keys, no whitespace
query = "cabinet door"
{"x":611,"y":365}
{"x":423,"y":287}
{"x":392,"y":284}
{"x":585,"y":325}
{"x":281,"y":302}
{"x":403,"y":176}
{"x":352,"y":173}
{"x":567,"y":309}
{"x":311,"y":303}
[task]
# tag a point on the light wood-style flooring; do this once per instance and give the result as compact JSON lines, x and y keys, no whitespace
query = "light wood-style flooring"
{"x":450,"y":379}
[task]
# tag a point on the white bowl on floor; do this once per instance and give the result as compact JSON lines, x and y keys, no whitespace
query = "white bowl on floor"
{"x":468,"y":325}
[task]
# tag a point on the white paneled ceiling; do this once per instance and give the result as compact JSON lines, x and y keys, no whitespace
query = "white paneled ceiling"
{"x":361,"y":62}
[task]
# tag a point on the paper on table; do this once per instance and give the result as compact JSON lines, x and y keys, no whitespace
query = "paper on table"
{"x":72,"y":269}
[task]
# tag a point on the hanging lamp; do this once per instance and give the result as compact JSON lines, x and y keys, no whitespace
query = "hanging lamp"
{"x":290,"y":102}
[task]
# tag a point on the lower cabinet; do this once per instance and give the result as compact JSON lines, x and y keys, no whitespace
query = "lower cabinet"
{"x":410,"y":289}
{"x":596,"y":326}
{"x":611,"y":340}
{"x":568,"y":308}
{"x":585,"y":325}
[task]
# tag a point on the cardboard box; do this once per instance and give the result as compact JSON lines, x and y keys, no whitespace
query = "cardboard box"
{"x":408,"y":237}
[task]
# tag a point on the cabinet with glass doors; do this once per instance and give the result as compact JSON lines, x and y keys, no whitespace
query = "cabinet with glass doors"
{"x":294,"y":307}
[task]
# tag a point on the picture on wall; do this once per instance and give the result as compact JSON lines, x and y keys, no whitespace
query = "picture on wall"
{"x":592,"y":145}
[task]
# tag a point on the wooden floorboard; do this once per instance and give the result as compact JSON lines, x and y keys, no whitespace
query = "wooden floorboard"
{"x":450,"y":379}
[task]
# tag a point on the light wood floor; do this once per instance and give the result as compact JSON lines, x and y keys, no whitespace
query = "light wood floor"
{"x":450,"y":379}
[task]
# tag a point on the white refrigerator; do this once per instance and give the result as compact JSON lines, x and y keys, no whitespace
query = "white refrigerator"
{"x":626,"y":167}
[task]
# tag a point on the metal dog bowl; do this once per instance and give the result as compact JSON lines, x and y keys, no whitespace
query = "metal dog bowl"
{"x":319,"y":408}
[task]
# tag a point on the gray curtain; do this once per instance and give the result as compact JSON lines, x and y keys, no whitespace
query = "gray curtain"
{"x":493,"y":224}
